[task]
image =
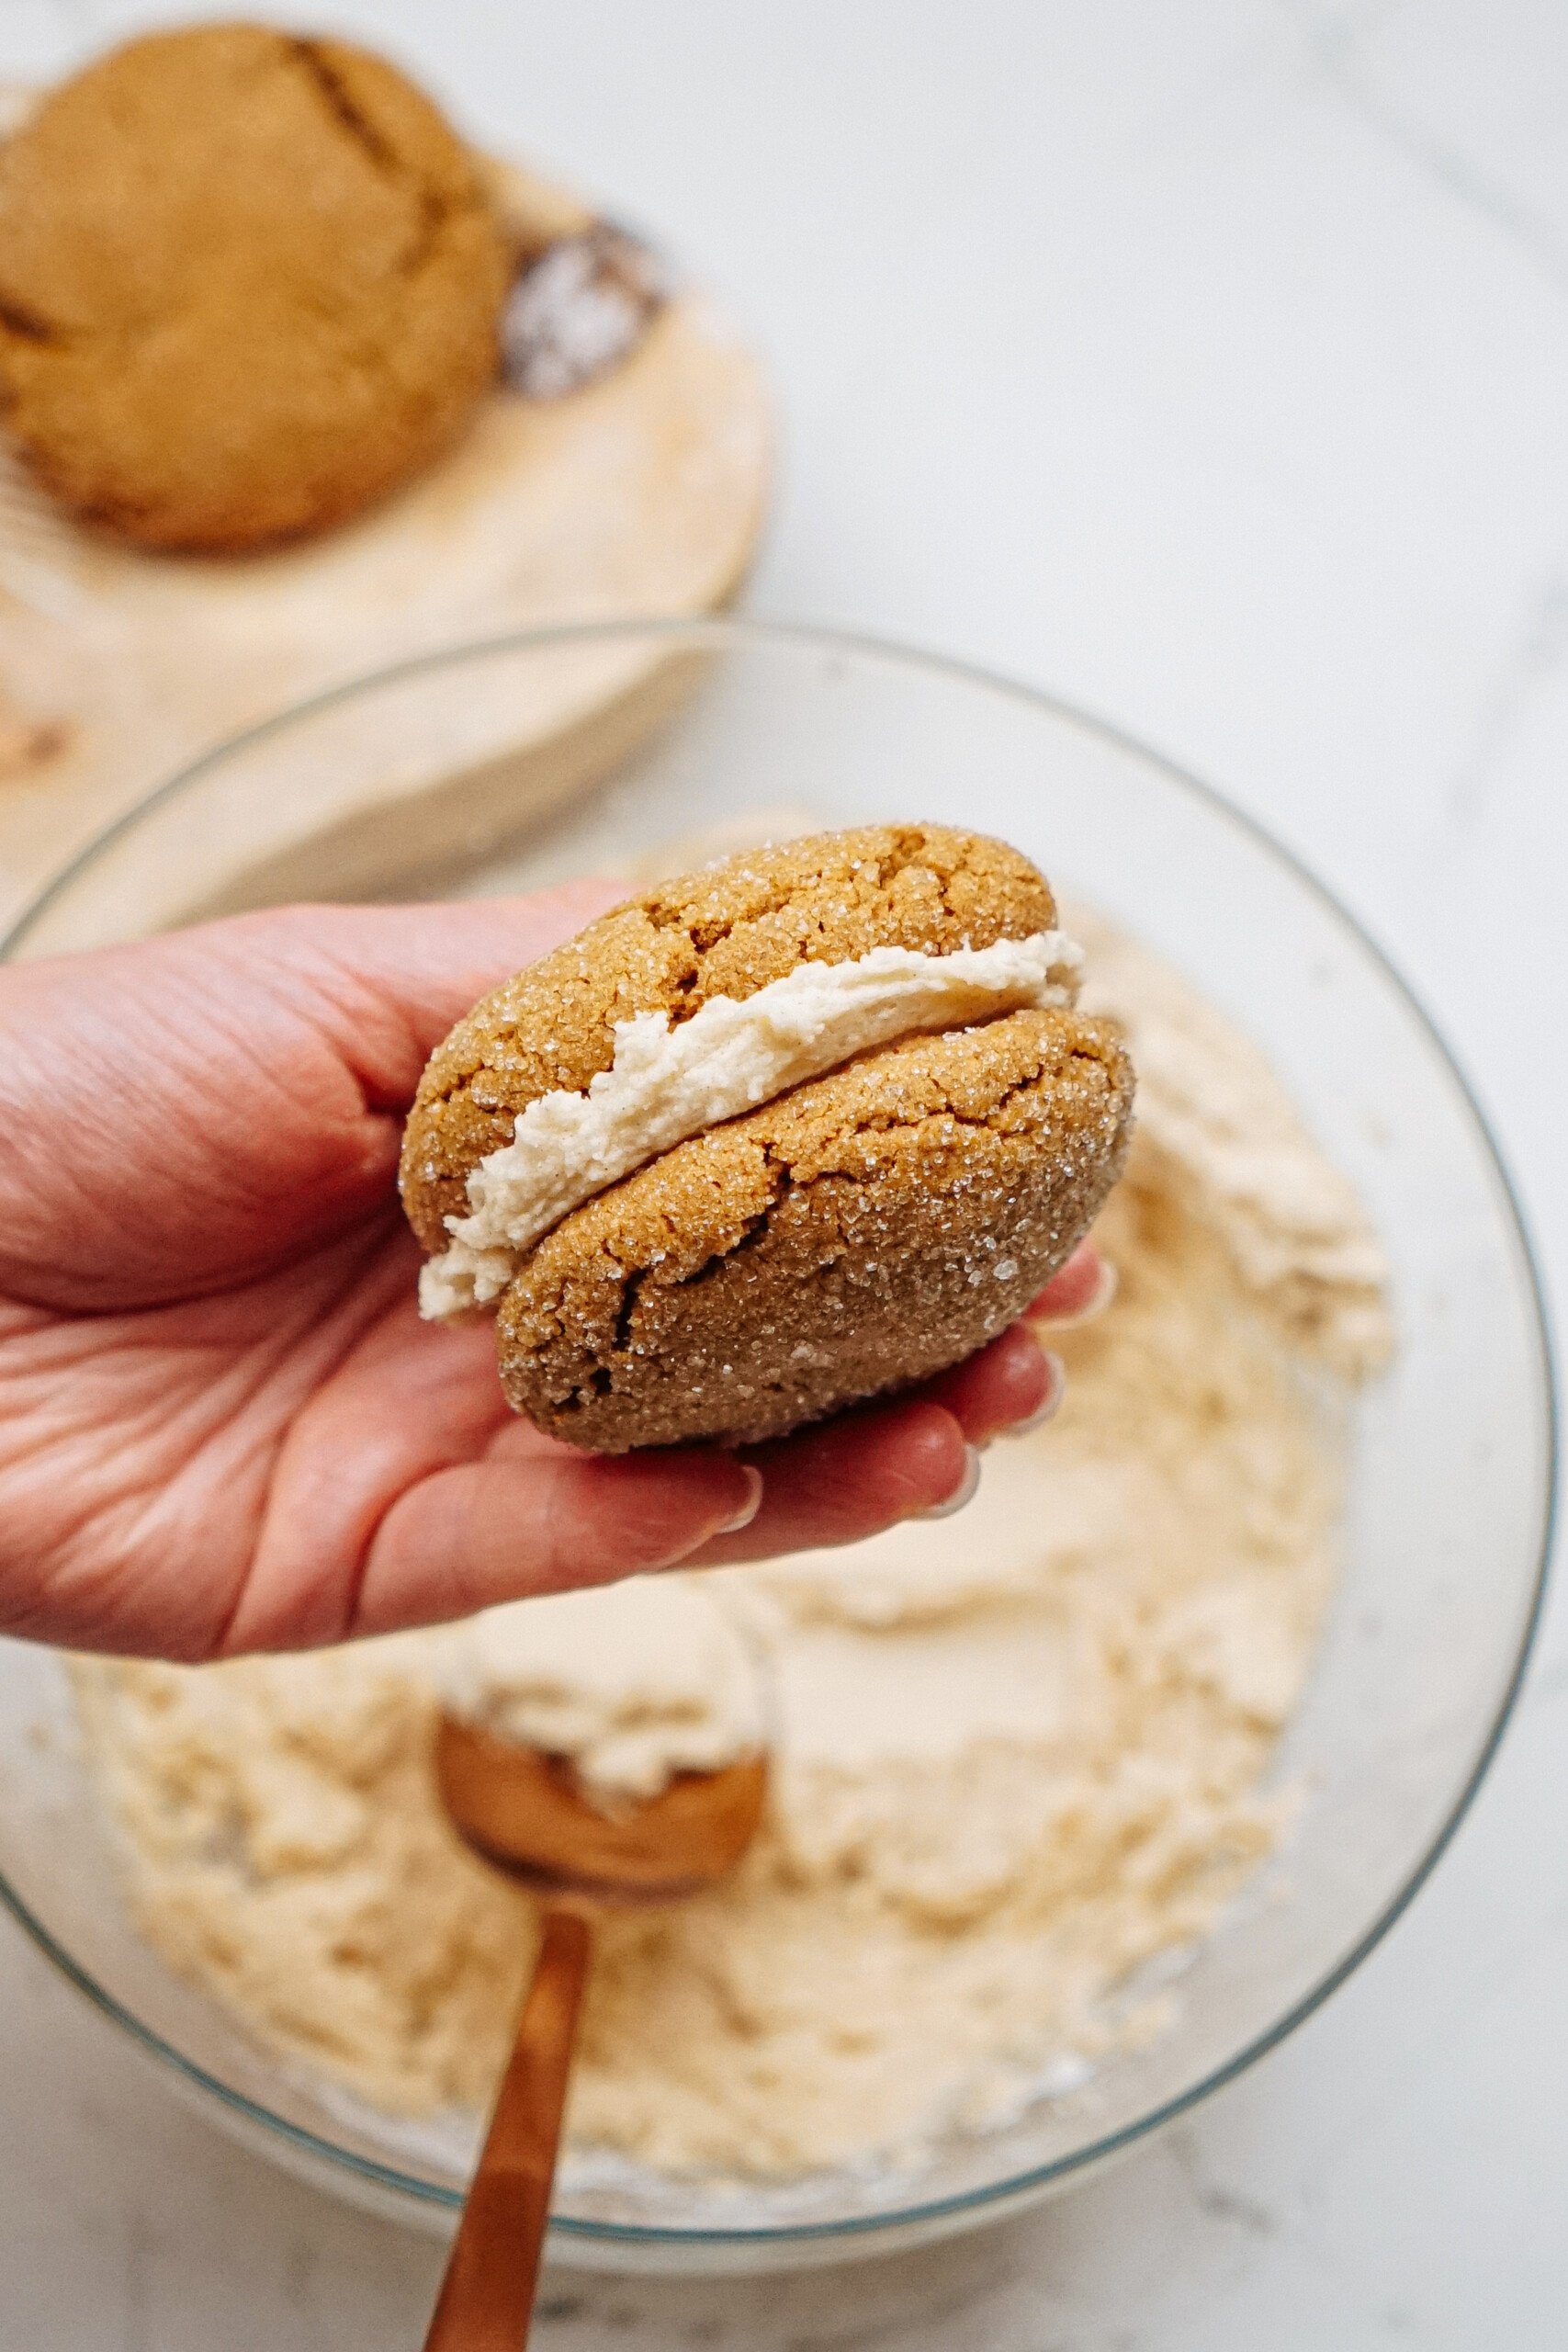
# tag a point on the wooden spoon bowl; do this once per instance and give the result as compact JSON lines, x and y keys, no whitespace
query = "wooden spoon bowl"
{"x":526,"y":1813}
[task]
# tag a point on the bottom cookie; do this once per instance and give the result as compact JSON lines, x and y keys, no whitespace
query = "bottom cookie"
{"x":862,"y":1231}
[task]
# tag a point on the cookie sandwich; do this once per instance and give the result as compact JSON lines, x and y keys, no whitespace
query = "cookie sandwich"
{"x":295,"y":380}
{"x":784,"y":1133}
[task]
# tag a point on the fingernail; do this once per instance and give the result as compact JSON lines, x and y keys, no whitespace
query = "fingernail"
{"x":1095,"y":1305}
{"x":1048,"y":1403}
{"x":962,"y":1493}
{"x":750,"y":1507}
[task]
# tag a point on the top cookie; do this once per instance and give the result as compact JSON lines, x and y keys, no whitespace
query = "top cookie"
{"x":248,"y":283}
{"x":727,"y":930}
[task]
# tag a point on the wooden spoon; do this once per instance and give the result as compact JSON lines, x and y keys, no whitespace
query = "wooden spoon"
{"x":525,"y":1813}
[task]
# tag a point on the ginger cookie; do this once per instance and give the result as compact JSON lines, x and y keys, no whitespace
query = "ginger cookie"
{"x":248,"y":283}
{"x":774,"y":1137}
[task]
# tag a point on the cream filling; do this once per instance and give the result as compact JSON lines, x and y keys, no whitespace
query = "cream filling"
{"x":669,"y":1083}
{"x":633,"y":1683}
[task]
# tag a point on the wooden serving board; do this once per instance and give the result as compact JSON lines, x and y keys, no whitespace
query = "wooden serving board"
{"x":641,"y":493}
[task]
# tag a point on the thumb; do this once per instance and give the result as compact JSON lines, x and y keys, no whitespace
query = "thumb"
{"x":385,"y":984}
{"x":191,"y":1110}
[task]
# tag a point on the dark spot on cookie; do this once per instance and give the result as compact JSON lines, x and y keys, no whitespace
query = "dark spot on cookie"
{"x":17,"y":318}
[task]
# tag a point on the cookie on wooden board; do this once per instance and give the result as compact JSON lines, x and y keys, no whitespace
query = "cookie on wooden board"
{"x":248,"y":284}
{"x":931,"y":1127}
{"x":616,"y":462}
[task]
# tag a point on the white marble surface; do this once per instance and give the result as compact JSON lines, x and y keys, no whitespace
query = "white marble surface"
{"x":1207,"y":363}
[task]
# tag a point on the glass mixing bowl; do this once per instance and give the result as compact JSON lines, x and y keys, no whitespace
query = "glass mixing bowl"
{"x":505,"y":765}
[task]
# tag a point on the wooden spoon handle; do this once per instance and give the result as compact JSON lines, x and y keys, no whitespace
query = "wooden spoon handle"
{"x":487,"y":2297}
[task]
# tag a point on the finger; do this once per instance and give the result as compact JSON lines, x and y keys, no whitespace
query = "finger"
{"x":1082,"y":1289}
{"x":236,"y":1091}
{"x":850,"y":1477}
{"x":1012,"y":1384}
{"x":389,"y":982}
{"x":503,"y":1530}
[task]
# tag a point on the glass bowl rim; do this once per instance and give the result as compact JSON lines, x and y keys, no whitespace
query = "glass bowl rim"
{"x":742,"y":630}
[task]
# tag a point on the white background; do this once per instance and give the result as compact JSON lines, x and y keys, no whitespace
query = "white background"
{"x":1206,"y":361}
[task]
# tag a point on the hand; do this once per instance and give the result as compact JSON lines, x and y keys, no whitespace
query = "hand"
{"x":222,"y":1425}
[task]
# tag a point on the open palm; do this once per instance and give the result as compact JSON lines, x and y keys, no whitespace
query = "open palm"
{"x":222,"y":1425}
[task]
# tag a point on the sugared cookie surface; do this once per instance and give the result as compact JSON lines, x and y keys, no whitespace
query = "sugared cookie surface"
{"x":777,"y":1135}
{"x":248,"y":283}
